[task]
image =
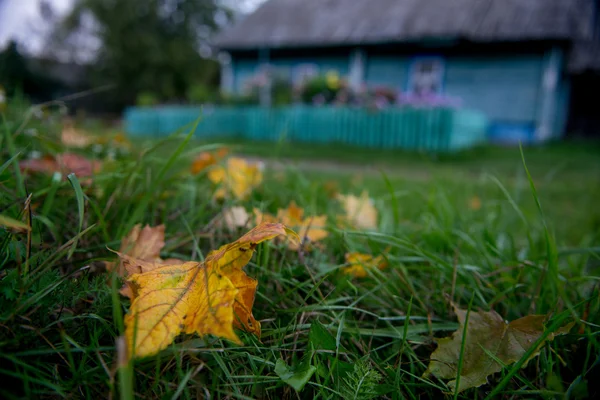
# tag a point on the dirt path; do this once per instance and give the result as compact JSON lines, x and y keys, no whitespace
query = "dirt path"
{"x":347,"y":168}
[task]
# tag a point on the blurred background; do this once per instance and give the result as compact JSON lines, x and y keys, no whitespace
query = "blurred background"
{"x":439,"y":74}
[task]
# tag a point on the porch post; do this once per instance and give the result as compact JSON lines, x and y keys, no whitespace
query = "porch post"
{"x":227,"y":78}
{"x":357,"y":69}
{"x":552,"y":70}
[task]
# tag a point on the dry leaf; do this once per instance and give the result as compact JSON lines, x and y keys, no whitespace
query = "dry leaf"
{"x":205,"y":298}
{"x":72,"y":137}
{"x":206,"y":159}
{"x":65,"y":164}
{"x":239,"y":178}
{"x":201,"y":162}
{"x":310,"y":229}
{"x":475,"y":203}
{"x":360,"y":211}
{"x":359,"y":263}
{"x":508,"y":342}
{"x":143,"y":245}
{"x":234,"y":218}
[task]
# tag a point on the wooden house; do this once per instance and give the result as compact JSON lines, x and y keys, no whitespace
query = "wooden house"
{"x":529,"y":65}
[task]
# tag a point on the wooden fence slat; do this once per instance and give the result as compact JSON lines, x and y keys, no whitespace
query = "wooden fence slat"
{"x":435,"y":129}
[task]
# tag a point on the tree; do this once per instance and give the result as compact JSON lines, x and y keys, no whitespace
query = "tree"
{"x":16,"y":75}
{"x":145,"y":45}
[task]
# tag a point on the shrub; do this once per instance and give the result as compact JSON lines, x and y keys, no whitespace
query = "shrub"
{"x":146,"y":99}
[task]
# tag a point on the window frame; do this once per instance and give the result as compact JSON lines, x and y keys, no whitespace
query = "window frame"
{"x":422,"y":58}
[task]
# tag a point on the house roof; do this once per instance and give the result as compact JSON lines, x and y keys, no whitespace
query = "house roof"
{"x":298,"y":23}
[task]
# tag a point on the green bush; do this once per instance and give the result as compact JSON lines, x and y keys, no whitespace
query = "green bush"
{"x":146,"y":99}
{"x":200,"y":94}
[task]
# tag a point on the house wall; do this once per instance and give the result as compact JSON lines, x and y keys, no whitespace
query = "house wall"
{"x":508,"y":88}
{"x":245,"y":68}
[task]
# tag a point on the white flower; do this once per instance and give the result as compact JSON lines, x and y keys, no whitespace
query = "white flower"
{"x":35,"y":155}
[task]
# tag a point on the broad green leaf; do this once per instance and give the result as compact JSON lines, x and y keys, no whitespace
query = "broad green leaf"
{"x":295,"y":377}
{"x":320,"y":338}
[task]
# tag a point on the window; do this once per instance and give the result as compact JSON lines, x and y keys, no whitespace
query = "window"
{"x":426,"y":76}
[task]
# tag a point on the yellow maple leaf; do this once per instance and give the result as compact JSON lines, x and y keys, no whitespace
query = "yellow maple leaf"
{"x":360,"y":211}
{"x":310,"y":229}
{"x":359,"y":263}
{"x":211,"y":297}
{"x":239,"y":178}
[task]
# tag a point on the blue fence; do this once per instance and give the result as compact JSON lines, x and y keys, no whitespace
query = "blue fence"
{"x":436,"y":129}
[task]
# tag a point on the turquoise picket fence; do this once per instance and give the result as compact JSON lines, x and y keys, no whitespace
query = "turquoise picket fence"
{"x":435,"y":129}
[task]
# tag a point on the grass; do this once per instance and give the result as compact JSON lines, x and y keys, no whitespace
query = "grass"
{"x":467,"y":227}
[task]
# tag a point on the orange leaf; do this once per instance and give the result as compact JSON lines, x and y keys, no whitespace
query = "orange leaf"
{"x":310,"y":229}
{"x":359,"y":263}
{"x":238,"y":179}
{"x":205,"y":298}
{"x":202,"y":161}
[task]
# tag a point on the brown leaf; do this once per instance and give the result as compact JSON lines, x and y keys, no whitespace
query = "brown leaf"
{"x":487,"y":331}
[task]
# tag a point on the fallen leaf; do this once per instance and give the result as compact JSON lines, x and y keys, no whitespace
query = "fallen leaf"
{"x":202,"y":161}
{"x":211,"y":297}
{"x":359,"y":263}
{"x":507,"y":342}
{"x":81,"y":166}
{"x":143,"y":246}
{"x":360,"y":211}
{"x":310,"y":229}
{"x":72,"y":137}
{"x":235,"y":217}
{"x":475,"y":203}
{"x":64,"y":163}
{"x":206,"y":159}
{"x":239,"y":178}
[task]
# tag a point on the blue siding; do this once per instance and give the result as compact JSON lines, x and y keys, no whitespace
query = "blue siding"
{"x":504,"y":88}
{"x":243,"y":70}
{"x":389,"y":71}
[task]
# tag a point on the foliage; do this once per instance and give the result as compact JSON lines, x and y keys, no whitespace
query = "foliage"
{"x":486,"y":344}
{"x":147,"y":99}
{"x":142,"y":47}
{"x":362,"y":383}
{"x":200,"y":93}
{"x":323,"y":333}
{"x":16,"y":76}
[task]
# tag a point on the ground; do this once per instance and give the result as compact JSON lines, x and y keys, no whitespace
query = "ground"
{"x":473,"y":229}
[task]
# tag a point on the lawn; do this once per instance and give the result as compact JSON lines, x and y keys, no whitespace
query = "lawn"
{"x":481,"y":230}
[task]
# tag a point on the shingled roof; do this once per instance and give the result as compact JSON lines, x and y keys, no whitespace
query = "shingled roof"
{"x":294,"y":23}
